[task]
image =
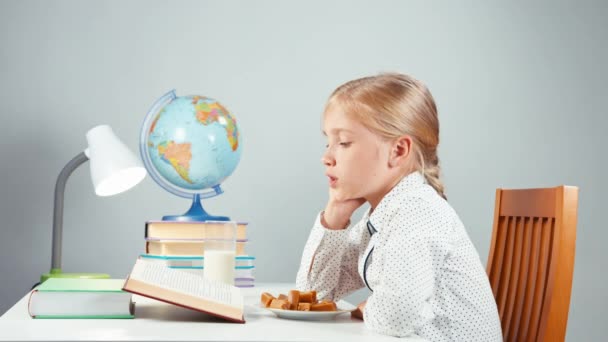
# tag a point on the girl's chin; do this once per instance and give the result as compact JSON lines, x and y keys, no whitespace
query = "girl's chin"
{"x":342,"y":196}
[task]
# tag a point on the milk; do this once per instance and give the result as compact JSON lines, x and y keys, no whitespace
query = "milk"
{"x":219,"y":265}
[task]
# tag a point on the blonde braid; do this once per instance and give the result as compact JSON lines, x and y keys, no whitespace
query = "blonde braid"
{"x":431,"y":171}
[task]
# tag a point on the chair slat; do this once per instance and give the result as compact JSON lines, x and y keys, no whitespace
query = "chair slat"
{"x":499,"y":254}
{"x":549,"y":228}
{"x":514,"y":326}
{"x":514,"y":277}
{"x":505,"y":276}
{"x":541,"y":278}
{"x":532,"y":270}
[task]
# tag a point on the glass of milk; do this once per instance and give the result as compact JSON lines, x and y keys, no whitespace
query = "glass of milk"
{"x":220,"y":253}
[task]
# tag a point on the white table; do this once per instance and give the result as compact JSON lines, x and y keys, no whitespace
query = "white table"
{"x":156,"y":320}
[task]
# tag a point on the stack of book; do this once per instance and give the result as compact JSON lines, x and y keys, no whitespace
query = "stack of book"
{"x":181,"y":245}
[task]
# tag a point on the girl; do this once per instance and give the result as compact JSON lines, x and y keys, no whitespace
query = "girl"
{"x":410,"y":249}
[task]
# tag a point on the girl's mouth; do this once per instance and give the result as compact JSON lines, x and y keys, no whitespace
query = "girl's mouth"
{"x":332,"y":181}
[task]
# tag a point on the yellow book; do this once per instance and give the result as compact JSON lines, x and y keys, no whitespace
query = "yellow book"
{"x":183,"y":247}
{"x":190,"y":230}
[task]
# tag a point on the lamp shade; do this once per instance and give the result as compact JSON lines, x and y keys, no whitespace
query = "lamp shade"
{"x":114,"y":168}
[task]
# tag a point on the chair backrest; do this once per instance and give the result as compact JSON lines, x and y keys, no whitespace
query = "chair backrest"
{"x":531,"y":261}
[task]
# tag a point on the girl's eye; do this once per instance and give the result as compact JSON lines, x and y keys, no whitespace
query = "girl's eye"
{"x":342,"y":144}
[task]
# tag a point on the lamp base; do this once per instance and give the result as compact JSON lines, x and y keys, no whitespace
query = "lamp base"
{"x":56,"y":273}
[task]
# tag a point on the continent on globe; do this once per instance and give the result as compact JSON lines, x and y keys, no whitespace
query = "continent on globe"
{"x":178,"y":155}
{"x":210,"y":112}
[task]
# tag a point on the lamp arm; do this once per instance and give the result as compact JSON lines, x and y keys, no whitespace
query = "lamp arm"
{"x":58,"y":209}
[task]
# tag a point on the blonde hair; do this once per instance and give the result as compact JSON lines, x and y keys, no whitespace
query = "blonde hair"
{"x":392,"y":105}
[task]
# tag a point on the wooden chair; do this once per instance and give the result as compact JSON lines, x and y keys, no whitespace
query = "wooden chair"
{"x":531,"y":261}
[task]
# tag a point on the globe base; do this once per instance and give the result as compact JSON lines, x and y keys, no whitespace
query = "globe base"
{"x":193,"y":218}
{"x":195,"y":213}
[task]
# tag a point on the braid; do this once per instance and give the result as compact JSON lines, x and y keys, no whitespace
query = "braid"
{"x":431,"y":172}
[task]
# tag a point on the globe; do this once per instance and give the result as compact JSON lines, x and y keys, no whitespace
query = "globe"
{"x":190,"y":145}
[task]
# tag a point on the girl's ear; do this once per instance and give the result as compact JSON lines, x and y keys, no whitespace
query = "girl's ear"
{"x":402,"y":148}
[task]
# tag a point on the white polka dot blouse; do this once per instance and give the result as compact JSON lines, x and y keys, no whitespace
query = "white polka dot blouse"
{"x":414,"y":254}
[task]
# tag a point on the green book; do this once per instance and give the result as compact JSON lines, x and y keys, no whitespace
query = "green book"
{"x":80,"y":298}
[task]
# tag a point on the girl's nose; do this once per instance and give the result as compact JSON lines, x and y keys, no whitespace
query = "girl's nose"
{"x":327,"y":160}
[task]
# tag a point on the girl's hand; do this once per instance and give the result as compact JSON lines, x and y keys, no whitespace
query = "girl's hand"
{"x":337,"y":213}
{"x":358,"y":312}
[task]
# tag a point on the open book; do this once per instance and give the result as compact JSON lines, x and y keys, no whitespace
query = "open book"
{"x":185,"y":289}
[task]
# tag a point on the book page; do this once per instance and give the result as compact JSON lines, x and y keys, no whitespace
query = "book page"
{"x":186,"y":283}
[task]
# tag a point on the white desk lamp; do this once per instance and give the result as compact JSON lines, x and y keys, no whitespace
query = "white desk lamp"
{"x":114,"y":169}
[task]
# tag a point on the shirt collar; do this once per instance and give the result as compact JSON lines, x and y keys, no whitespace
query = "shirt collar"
{"x":386,"y":209}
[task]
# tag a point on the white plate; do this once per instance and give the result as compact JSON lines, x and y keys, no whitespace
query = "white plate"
{"x":343,"y":307}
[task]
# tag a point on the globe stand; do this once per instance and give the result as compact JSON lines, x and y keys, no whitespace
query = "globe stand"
{"x":195,"y":213}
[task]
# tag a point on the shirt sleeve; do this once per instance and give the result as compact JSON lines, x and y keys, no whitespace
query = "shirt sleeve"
{"x":400,"y":302}
{"x":329,"y":261}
